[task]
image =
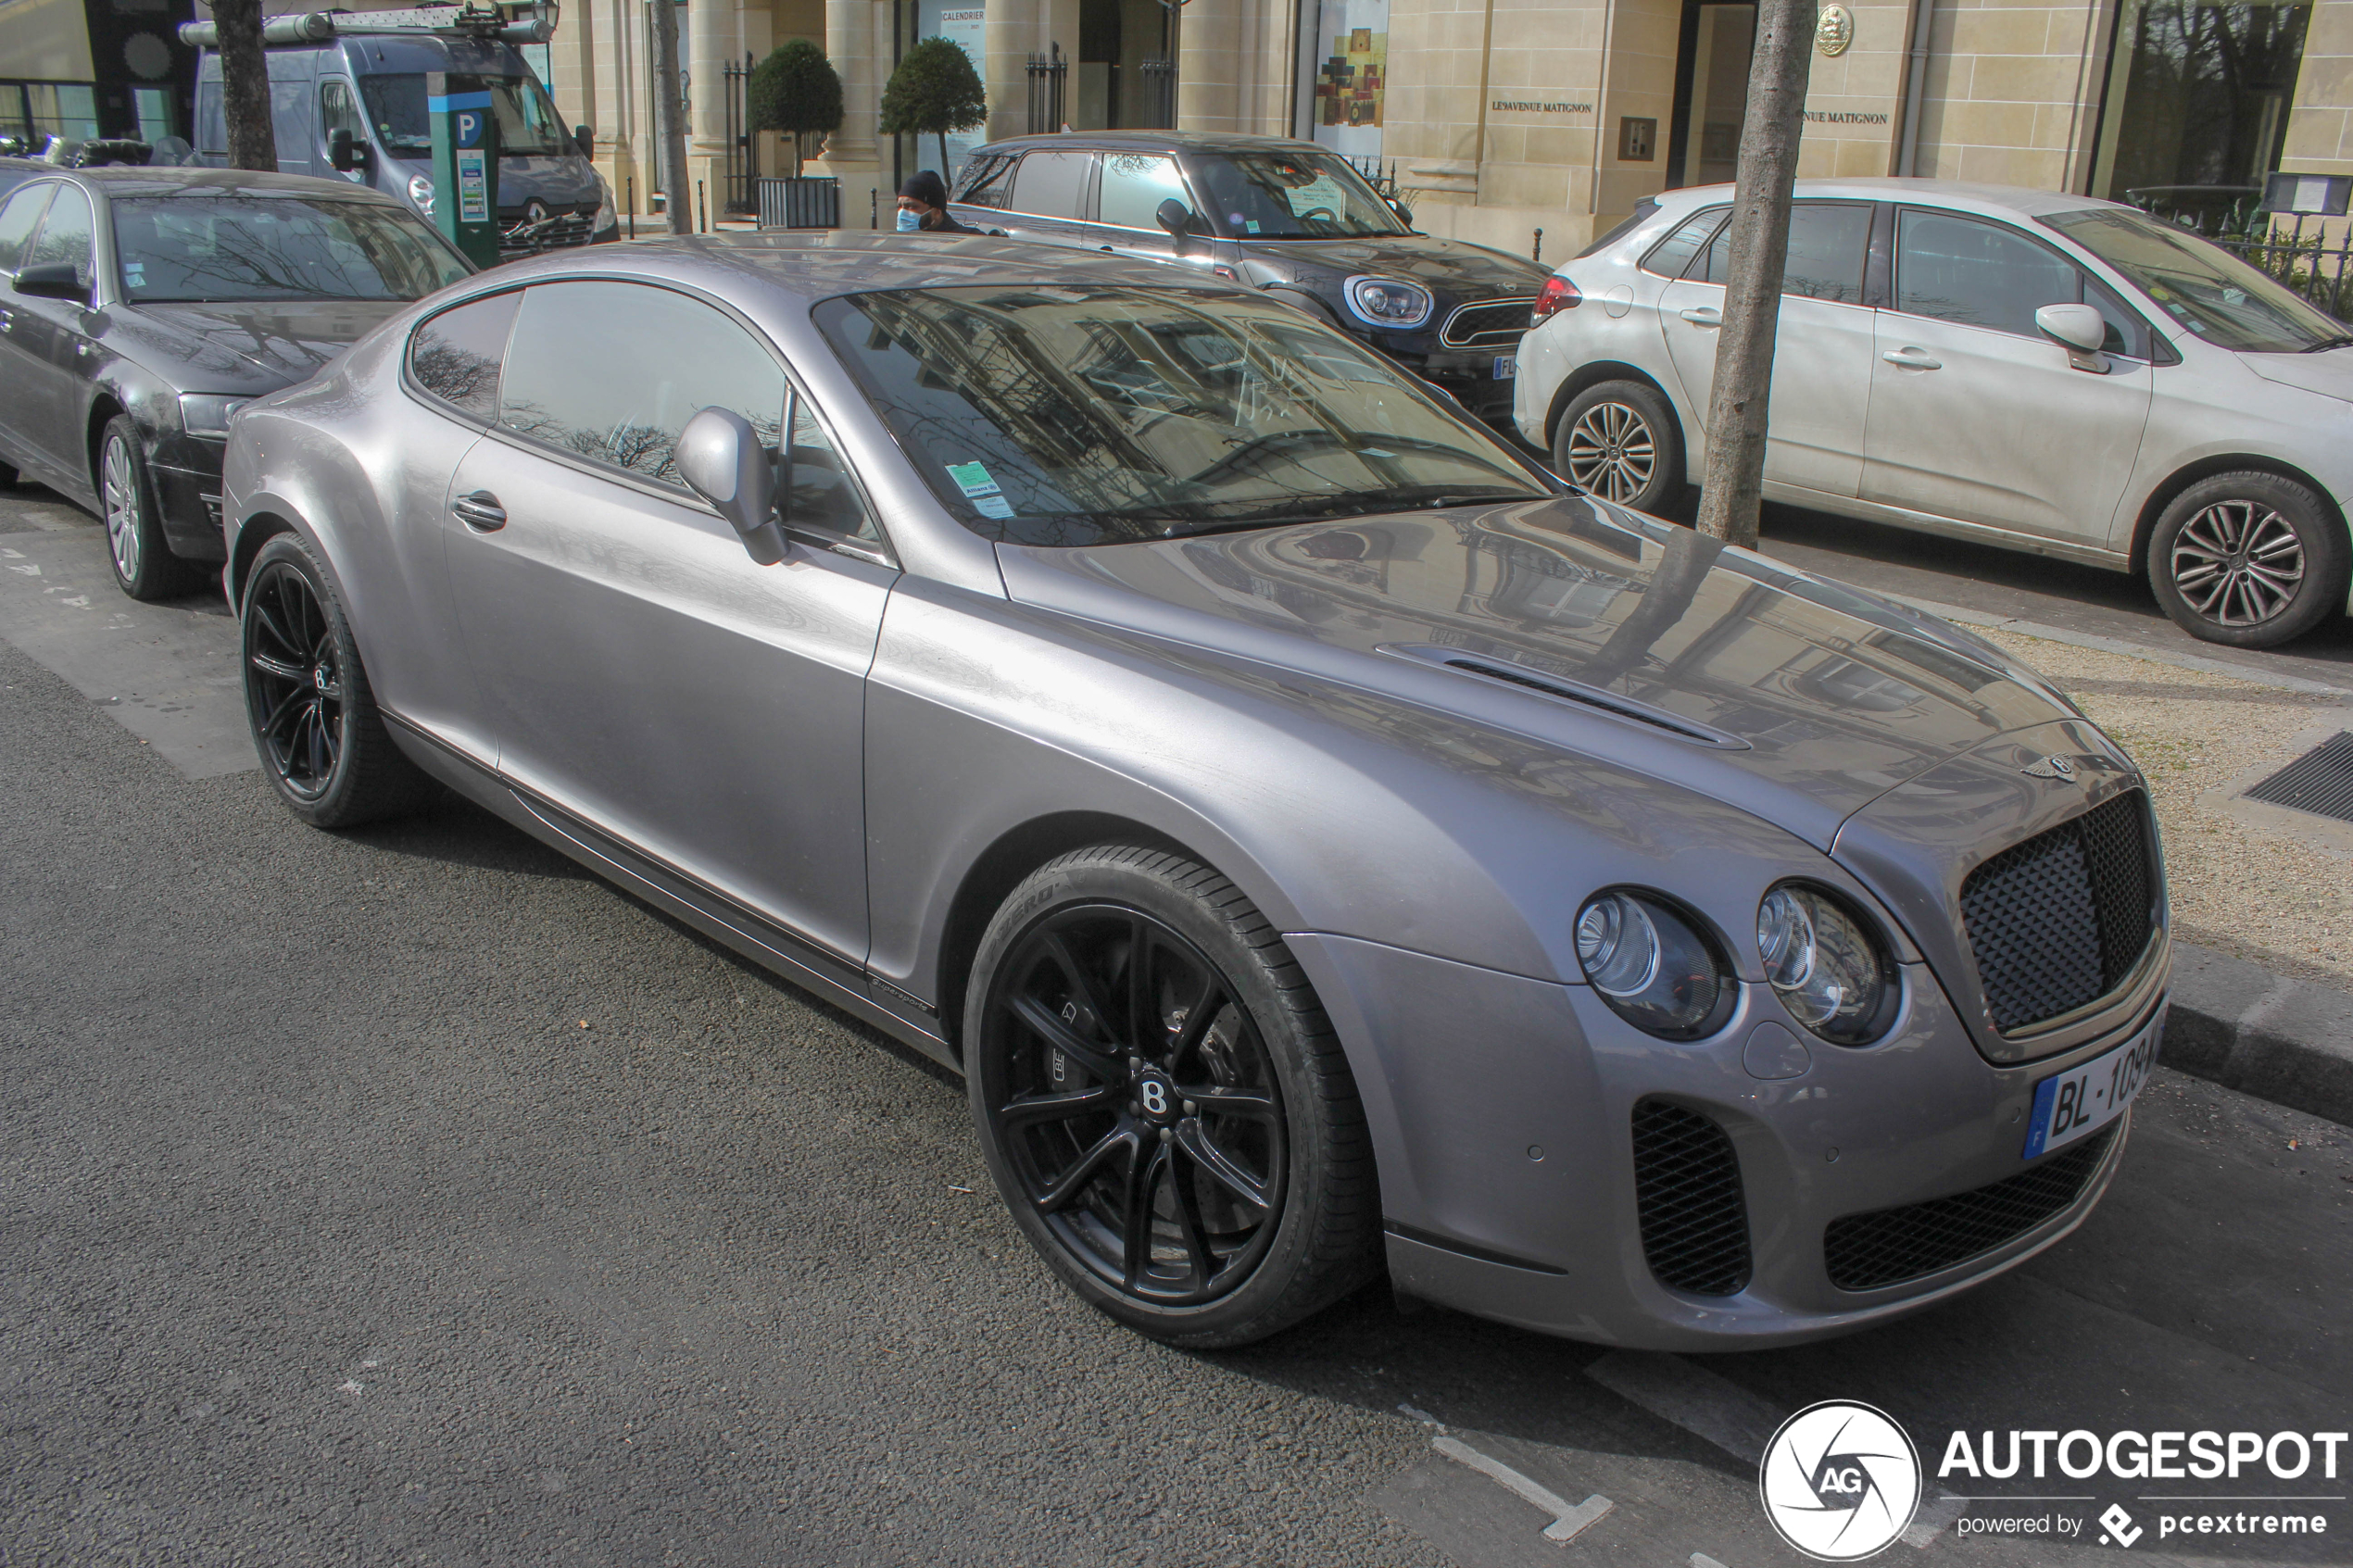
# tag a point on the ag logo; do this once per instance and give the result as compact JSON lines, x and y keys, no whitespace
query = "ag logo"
{"x":1839,"y":1480}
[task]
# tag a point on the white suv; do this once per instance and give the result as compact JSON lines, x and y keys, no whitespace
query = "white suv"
{"x":2044,"y":372}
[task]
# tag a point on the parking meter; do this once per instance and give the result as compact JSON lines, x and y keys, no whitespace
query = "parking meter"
{"x":465,"y":163}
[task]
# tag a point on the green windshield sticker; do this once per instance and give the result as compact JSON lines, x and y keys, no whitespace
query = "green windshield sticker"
{"x":974,"y":480}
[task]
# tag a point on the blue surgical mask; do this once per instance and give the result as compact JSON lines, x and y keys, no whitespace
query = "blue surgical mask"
{"x":909,"y":221}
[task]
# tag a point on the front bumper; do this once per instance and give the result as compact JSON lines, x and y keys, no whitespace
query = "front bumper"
{"x":1501,"y":1112}
{"x":187,"y":469}
{"x":1469,"y":375}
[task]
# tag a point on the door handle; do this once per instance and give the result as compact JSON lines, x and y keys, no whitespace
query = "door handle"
{"x":1912,"y":359}
{"x":479,"y":511}
{"x":1105,"y":250}
{"x":1704,"y":316}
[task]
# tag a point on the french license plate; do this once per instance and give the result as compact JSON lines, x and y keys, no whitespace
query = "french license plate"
{"x":1507,"y":366}
{"x":2073,"y":1104}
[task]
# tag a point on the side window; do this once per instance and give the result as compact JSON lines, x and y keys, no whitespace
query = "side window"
{"x":455,"y":356}
{"x":822,"y":495}
{"x":1827,"y":244}
{"x":212,"y":126}
{"x":1962,"y":270}
{"x":987,"y":181}
{"x":337,"y":111}
{"x":612,"y":372}
{"x":1670,"y":256}
{"x":1134,"y":185}
{"x":290,"y":120}
{"x":17,"y":219}
{"x":1051,"y":184}
{"x":64,"y":235}
{"x":2126,"y":334}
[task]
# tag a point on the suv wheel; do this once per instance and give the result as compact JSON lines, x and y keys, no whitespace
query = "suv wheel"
{"x":1618,"y":440}
{"x":2249,"y":560}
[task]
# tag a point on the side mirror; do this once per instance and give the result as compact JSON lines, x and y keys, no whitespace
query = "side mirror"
{"x":1404,"y":213}
{"x":54,"y":279}
{"x":2078,"y":329}
{"x":1175,"y":216}
{"x":344,"y":151}
{"x":586,"y":140}
{"x":721,"y":460}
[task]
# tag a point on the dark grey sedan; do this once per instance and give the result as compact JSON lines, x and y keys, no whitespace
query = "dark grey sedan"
{"x":139,"y":307}
{"x":1322,"y":839}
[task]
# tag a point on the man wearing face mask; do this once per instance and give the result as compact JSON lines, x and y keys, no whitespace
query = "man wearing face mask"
{"x":922,"y":208}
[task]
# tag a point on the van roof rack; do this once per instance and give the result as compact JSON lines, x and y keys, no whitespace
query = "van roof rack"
{"x":469,"y":20}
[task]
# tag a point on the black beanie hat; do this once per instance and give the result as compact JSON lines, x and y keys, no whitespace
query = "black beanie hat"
{"x":925,"y":187}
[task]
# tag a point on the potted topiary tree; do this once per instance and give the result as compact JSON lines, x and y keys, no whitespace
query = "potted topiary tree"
{"x":934,"y":90}
{"x":796,"y":90}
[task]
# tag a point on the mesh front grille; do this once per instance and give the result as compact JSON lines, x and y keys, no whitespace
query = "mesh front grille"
{"x":2059,"y":920}
{"x":1870,"y":1252}
{"x":1500,"y":320}
{"x":1687,"y":1189}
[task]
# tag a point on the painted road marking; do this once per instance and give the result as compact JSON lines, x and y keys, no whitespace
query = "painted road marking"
{"x":1566,"y":1521}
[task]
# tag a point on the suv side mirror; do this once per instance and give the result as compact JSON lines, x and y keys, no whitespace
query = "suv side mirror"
{"x":1175,"y":216}
{"x":344,"y":151}
{"x":54,"y":279}
{"x":1404,"y":213}
{"x":2078,"y":329}
{"x":721,"y":460}
{"x":586,"y":140}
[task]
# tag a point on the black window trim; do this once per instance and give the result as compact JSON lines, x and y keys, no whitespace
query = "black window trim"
{"x":878,"y":552}
{"x":2159,"y":348}
{"x":1721,"y":213}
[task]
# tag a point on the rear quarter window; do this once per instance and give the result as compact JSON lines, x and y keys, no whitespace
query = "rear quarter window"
{"x":456,"y":356}
{"x":1670,"y":256}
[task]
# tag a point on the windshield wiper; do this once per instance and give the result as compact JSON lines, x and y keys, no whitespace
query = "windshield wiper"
{"x":2342,"y":340}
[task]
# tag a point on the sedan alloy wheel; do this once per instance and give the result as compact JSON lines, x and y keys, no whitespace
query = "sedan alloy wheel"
{"x":120,"y":494}
{"x":1611,"y":452}
{"x":2238,"y":563}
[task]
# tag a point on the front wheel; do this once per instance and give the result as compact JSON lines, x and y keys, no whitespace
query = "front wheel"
{"x":1163,"y":1104}
{"x":1618,"y":440}
{"x":144,"y":567}
{"x":2248,"y":560}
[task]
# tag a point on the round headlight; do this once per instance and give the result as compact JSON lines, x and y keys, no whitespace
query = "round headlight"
{"x":1825,"y":964}
{"x":1389,"y":302}
{"x":1653,"y":965}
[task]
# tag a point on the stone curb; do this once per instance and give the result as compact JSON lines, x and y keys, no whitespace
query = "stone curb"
{"x":2288,"y":1041}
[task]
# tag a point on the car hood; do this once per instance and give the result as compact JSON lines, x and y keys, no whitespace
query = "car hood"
{"x":1454,"y":269}
{"x":562,"y":183}
{"x":1603,"y":632}
{"x":2329,"y":374}
{"x":252,"y":347}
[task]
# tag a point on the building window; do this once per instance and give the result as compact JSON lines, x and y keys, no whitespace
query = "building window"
{"x":2198,"y":103}
{"x":33,"y":111}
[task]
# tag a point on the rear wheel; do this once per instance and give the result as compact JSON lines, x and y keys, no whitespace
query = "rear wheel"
{"x":2250,"y":560}
{"x":1162,"y":1102}
{"x":1618,"y":440}
{"x":144,"y":567}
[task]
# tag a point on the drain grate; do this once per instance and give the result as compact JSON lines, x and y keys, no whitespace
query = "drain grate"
{"x":2319,"y":781}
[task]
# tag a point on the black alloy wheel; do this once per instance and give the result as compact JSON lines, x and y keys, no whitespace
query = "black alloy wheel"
{"x":1163,"y":1104}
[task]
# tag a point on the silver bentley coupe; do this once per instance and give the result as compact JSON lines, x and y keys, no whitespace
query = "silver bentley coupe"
{"x":1321,"y":838}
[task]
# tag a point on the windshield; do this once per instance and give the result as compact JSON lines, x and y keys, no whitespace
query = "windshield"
{"x":2202,"y":286}
{"x":184,"y":249}
{"x":528,"y":126}
{"x":1306,"y":195}
{"x":1096,"y":415}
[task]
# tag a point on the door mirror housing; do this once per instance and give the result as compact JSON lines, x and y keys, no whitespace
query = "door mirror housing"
{"x":347,"y":152}
{"x":54,"y":279}
{"x":721,"y":460}
{"x":1404,"y":213}
{"x":2078,"y":329}
{"x":1175,"y":216}
{"x":586,"y":140}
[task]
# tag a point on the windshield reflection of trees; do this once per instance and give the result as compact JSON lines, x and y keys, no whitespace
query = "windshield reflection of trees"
{"x":216,"y":251}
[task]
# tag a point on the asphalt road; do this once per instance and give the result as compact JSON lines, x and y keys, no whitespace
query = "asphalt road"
{"x":410,"y":1196}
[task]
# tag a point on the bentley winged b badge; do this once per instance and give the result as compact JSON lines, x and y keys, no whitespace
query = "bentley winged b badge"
{"x":2058,"y":768}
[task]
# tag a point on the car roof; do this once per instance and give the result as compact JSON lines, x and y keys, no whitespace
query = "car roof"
{"x":1153,"y":141}
{"x":2019,"y":200}
{"x":120,"y":180}
{"x":820,"y":264}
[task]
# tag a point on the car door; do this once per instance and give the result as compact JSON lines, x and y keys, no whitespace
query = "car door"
{"x":1129,"y":188}
{"x":1976,"y":416}
{"x":47,"y":333}
{"x":1051,"y":191}
{"x":642,"y":672}
{"x":1822,"y":354}
{"x":19,"y":215}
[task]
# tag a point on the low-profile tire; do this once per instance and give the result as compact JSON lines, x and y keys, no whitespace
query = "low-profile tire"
{"x":2250,"y":560}
{"x":144,"y":567}
{"x":1620,"y":441}
{"x":1181,"y":1138}
{"x":8,"y":476}
{"x":314,"y":719}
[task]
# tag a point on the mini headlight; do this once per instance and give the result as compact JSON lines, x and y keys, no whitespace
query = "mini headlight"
{"x":420,"y":193}
{"x":207,"y":413}
{"x":1825,"y":963}
{"x":1653,"y":965}
{"x":1389,"y":302}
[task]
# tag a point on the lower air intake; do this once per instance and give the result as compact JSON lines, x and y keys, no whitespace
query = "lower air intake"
{"x":1873,"y":1251}
{"x":1687,"y":1190}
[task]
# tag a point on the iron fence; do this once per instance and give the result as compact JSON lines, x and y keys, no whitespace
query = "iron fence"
{"x":1047,"y":75}
{"x":807,"y":200}
{"x":1382,"y":180}
{"x":1160,"y":95}
{"x":740,"y":179}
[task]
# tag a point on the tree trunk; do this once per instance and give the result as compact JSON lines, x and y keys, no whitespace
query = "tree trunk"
{"x":1735,"y":480}
{"x":244,"y":87}
{"x":670,"y":122}
{"x":945,"y":172}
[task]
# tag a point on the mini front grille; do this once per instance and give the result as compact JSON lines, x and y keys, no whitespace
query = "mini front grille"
{"x":1687,"y":1191}
{"x":2059,"y":920}
{"x":1873,"y":1251}
{"x":1495,"y":320}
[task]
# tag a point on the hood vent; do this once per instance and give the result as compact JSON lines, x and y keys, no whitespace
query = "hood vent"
{"x":1589,"y":698}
